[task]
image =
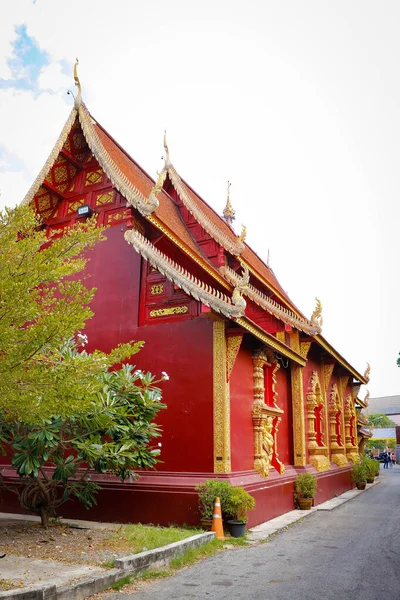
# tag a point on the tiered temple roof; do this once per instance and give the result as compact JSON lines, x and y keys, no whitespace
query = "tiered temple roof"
{"x":238,"y":273}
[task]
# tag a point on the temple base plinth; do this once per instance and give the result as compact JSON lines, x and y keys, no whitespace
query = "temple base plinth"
{"x":320,"y":462}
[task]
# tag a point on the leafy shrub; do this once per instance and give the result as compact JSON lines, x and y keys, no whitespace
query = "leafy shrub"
{"x":208,"y":492}
{"x":238,"y":504}
{"x":306,"y":485}
{"x":358,"y":473}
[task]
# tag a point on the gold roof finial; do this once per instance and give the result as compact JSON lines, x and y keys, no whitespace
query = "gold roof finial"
{"x":167,"y":159}
{"x":316,"y":317}
{"x":229,"y":212}
{"x":367,"y":372}
{"x":78,"y":98}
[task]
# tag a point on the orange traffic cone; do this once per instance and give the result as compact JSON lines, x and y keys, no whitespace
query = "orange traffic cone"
{"x":217,"y":521}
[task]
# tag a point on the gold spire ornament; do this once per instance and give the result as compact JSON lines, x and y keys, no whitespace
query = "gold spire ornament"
{"x":78,"y":98}
{"x":367,"y":372}
{"x":316,"y":317}
{"x":229,"y":212}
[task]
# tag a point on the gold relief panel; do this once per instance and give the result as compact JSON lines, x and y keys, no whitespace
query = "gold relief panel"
{"x":233,"y":346}
{"x":166,"y":312}
{"x":105,"y":198}
{"x":157,"y":289}
{"x":115,"y":217}
{"x":93,"y":177}
{"x":74,"y":205}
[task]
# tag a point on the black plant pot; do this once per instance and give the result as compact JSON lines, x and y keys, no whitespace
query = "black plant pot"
{"x":237,"y":528}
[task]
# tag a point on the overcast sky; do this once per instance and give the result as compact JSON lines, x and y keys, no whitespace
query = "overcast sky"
{"x":296,"y":102}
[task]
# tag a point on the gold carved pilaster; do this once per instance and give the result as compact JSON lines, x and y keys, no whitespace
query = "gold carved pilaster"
{"x":338,"y":455}
{"x":299,"y":442}
{"x":232,"y":349}
{"x":222,"y":442}
{"x":351,"y":430}
{"x":317,"y":451}
{"x":266,"y":418}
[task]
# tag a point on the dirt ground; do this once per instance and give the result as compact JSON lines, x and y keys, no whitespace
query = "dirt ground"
{"x":58,"y":542}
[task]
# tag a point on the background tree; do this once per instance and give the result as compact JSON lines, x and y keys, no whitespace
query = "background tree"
{"x":380,"y":420}
{"x":42,"y":304}
{"x":55,"y":458}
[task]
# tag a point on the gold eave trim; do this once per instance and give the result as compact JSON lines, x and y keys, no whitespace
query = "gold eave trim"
{"x":203,"y":264}
{"x":270,"y":340}
{"x":326,"y":346}
{"x":272,"y":289}
{"x":33,"y":190}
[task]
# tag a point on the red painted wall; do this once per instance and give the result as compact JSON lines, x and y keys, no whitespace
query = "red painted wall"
{"x":182,"y":348}
{"x":242,"y":398}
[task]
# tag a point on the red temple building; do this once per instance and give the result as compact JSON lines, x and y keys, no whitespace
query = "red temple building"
{"x":256,"y":394}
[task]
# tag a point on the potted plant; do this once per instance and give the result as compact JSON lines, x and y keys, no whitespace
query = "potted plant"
{"x":239,"y":502}
{"x":369,"y":465}
{"x":208,"y":492}
{"x":305,"y":485}
{"x":359,"y":476}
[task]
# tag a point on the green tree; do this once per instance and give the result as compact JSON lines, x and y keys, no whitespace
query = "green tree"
{"x":57,"y":457}
{"x":42,"y":304}
{"x":380,"y":420}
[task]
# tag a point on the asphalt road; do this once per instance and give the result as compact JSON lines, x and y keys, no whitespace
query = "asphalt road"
{"x":351,"y":552}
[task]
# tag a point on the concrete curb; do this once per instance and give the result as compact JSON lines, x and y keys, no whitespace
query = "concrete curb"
{"x":129,"y":565}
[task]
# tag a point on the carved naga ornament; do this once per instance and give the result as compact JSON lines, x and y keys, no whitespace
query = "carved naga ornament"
{"x":316,"y":317}
{"x":367,"y":372}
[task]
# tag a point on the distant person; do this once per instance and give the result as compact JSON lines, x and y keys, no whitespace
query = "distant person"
{"x":393,"y":458}
{"x":386,"y":461}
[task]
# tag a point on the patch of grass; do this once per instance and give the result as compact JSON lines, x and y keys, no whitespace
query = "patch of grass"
{"x":121,"y":583}
{"x":193,"y":555}
{"x":108,"y":564}
{"x":10,"y":584}
{"x":153,"y":574}
{"x":137,"y":538}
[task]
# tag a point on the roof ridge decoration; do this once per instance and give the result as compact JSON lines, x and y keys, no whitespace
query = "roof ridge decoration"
{"x":234,"y":247}
{"x":78,"y":99}
{"x":316,"y":317}
{"x":119,"y":180}
{"x":229,"y":212}
{"x":230,"y":307}
{"x":271,"y":306}
{"x":367,"y":372}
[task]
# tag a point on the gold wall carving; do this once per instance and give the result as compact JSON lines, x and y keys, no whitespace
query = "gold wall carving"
{"x":318,"y":451}
{"x":280,"y":335}
{"x":232,"y":349}
{"x":294,"y":338}
{"x":299,"y":443}
{"x":266,"y":419}
{"x":328,"y":370}
{"x":157,"y":289}
{"x":221,"y":410}
{"x":173,"y":310}
{"x":304,"y":348}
